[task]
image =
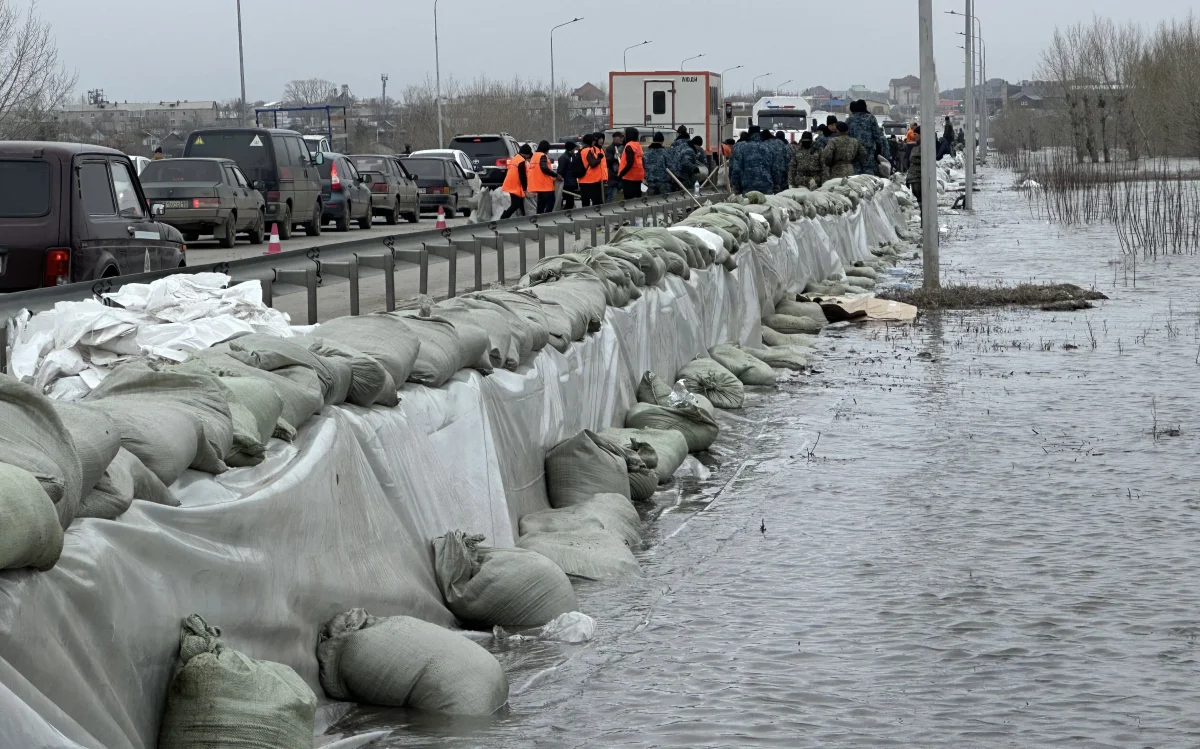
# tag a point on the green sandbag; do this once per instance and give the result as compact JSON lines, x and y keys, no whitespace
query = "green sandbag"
{"x":696,"y":424}
{"x":748,"y":369}
{"x":710,"y":379}
{"x":441,"y":353}
{"x":486,"y":587}
{"x":592,"y":555}
{"x":255,"y":409}
{"x":781,"y":357}
{"x":861,"y":271}
{"x":811,"y":310}
{"x":583,"y":466}
{"x":653,"y":389}
{"x":30,"y":534}
{"x":125,"y":480}
{"x":301,"y":397}
{"x":789,"y":325}
{"x":370,"y":382}
{"x":35,"y":438}
{"x":604,"y":512}
{"x":859,"y":283}
{"x":95,"y":436}
{"x":669,"y":446}
{"x":283,"y":355}
{"x":382,"y":336}
{"x":220,"y":697}
{"x":773,"y":338}
{"x":400,"y":661}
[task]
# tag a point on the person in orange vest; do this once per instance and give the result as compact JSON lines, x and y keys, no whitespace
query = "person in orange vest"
{"x":631,"y":169}
{"x":595,"y":171}
{"x":542,"y":178}
{"x":516,"y":181}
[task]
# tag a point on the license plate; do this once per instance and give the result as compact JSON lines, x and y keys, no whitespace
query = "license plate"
{"x":423,"y":190}
{"x":177,"y":204}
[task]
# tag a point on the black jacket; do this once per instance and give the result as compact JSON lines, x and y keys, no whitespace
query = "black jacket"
{"x":566,"y":170}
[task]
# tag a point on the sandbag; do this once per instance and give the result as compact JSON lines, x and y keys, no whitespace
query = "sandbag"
{"x":220,"y":697}
{"x":746,"y":368}
{"x":789,"y":325}
{"x":502,"y":350}
{"x":473,"y":340}
{"x":171,"y":420}
{"x":383,"y":336}
{"x":31,"y":534}
{"x":34,"y":437}
{"x":369,"y":380}
{"x":862,"y":271}
{"x":284,"y":355}
{"x":640,"y":460}
{"x":811,"y":310}
{"x":523,"y":331}
{"x":582,"y":299}
{"x":526,"y":306}
{"x":773,"y":338}
{"x":301,"y":395}
{"x":485,"y":587}
{"x":96,"y":439}
{"x":697,"y":425}
{"x":782,"y":357}
{"x":859,"y":283}
{"x":125,"y":480}
{"x":400,"y":661}
{"x":254,"y":408}
{"x":710,"y":379}
{"x":669,"y":447}
{"x":583,"y":466}
{"x":604,"y":512}
{"x":441,"y":353}
{"x":592,"y":555}
{"x":653,"y":389}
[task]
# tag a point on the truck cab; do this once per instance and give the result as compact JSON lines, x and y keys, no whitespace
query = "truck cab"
{"x":787,"y":113}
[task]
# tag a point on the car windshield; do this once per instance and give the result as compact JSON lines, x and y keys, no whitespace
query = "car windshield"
{"x":369,"y":163}
{"x":181,"y":170}
{"x":793,"y":119}
{"x":251,"y":150}
{"x":24,"y":189}
{"x":426,"y":168}
{"x":482,"y":149}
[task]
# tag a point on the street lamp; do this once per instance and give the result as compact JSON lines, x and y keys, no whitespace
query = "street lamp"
{"x":624,"y":55}
{"x":241,"y":65}
{"x":437,"y":66}
{"x":978,"y":63}
{"x":726,"y":70}
{"x":779,"y":86}
{"x":754,"y":82}
{"x":685,"y":62}
{"x":553,"y":101}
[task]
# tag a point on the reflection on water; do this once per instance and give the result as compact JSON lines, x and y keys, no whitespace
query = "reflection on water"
{"x":992,"y":541}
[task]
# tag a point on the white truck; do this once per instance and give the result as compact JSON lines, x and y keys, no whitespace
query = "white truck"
{"x":791,"y":114}
{"x":662,"y":101}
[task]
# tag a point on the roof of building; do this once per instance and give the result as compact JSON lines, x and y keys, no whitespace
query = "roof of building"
{"x":141,"y":106}
{"x":908,"y":80}
{"x":1027,"y":95}
{"x":588,"y":92}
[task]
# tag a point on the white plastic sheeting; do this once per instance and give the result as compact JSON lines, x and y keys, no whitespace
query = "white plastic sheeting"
{"x":343,"y":517}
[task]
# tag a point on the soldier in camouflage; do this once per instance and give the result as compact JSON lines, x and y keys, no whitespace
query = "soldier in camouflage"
{"x":681,"y":160}
{"x":808,"y":167}
{"x":783,"y":151}
{"x":655,"y":162}
{"x":842,"y":153}
{"x":865,"y":128}
{"x":752,"y":166}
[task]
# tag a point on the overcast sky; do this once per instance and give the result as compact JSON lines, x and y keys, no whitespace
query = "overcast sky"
{"x":143,"y":50}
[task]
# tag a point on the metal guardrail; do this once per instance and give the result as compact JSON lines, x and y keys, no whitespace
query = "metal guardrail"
{"x":307,"y":270}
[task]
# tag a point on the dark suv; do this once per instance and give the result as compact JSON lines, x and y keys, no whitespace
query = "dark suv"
{"x":72,"y":212}
{"x":489,"y":153}
{"x":280,"y":160}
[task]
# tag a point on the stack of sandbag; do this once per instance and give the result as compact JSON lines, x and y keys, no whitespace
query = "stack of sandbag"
{"x":445,"y":349}
{"x":585,"y":465}
{"x":400,"y":661}
{"x":748,"y":369}
{"x":293,"y":358}
{"x":221,"y":697}
{"x":370,"y":382}
{"x":603,"y":512}
{"x":574,"y":307}
{"x":693,"y":416}
{"x":675,"y":253}
{"x":298,"y":388}
{"x":382,"y":336}
{"x":665,"y":448}
{"x":716,"y":383}
{"x":810,"y":310}
{"x":588,"y":554}
{"x":861,"y":276}
{"x":487,"y":587}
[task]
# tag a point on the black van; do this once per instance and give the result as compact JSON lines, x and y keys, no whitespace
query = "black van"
{"x":280,"y":161}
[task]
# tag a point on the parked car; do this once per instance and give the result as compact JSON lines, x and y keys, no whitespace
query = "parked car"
{"x":393,"y":189}
{"x":206,"y":196}
{"x":442,"y":183}
{"x":72,"y":212}
{"x":317,"y":144}
{"x":278,"y":159}
{"x":346,"y":193}
{"x":139,"y":163}
{"x":489,"y":155}
{"x":464,"y":161}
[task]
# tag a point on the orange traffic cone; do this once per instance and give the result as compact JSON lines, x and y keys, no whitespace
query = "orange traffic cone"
{"x":274,"y":247}
{"x":441,"y":222}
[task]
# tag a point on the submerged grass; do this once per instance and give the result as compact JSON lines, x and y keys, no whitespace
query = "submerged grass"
{"x":970,"y":297}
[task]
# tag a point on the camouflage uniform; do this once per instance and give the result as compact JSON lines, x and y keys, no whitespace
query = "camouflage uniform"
{"x":865,"y":128}
{"x":783,"y":157}
{"x":681,"y":159}
{"x":752,"y":166}
{"x":807,"y":169}
{"x":654,"y":159}
{"x":820,"y":141}
{"x":842,"y":153}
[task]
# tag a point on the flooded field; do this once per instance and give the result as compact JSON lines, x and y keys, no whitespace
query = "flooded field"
{"x":980,"y":531}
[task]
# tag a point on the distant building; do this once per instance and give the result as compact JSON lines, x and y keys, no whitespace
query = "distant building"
{"x":905,"y":92}
{"x":1025,"y":100}
{"x":112,"y":118}
{"x":588,"y":104}
{"x":878,"y":107}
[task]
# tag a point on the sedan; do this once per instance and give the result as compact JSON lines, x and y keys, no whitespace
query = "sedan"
{"x":464,"y":161}
{"x":346,"y":194}
{"x":206,"y":196}
{"x":393,"y":189}
{"x":442,"y":183}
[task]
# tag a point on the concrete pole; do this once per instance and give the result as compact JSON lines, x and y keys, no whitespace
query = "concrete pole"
{"x":969,"y":113}
{"x":241,"y":66}
{"x":928,"y":146}
{"x":987,"y":112}
{"x":437,"y":66}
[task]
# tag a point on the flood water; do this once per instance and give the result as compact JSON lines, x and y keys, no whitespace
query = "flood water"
{"x":981,"y":531}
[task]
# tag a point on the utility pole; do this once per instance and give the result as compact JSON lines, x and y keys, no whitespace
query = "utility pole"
{"x":928,"y":146}
{"x":241,"y":65}
{"x":437,"y":66}
{"x":382,"y":114}
{"x":987,"y":111}
{"x":969,"y":114}
{"x":553,"y":93}
{"x":383,"y":101}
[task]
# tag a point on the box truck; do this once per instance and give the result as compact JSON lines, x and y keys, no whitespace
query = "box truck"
{"x":662,"y":101}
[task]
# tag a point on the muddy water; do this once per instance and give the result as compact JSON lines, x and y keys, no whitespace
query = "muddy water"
{"x":981,"y":531}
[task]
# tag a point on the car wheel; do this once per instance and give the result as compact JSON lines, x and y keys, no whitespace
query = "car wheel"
{"x":392,"y":217}
{"x":259,"y":230}
{"x":415,"y":216}
{"x":466,"y":212}
{"x":285,"y":224}
{"x":313,"y":227}
{"x":342,"y":223}
{"x":365,"y":221}
{"x":229,"y":232}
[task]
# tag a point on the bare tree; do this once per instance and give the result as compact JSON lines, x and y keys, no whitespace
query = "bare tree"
{"x":310,"y":92}
{"x":33,"y":81}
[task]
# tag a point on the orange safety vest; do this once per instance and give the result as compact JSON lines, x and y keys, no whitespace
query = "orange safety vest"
{"x":726,"y":151}
{"x":512,"y":180}
{"x":910,"y":136}
{"x":637,"y":172}
{"x":598,"y":173}
{"x":538,"y":180}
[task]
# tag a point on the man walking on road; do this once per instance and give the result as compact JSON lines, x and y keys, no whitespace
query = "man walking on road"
{"x":516,"y":182}
{"x":752,"y":166}
{"x":612,"y":157}
{"x":843,"y":153}
{"x":783,"y":154}
{"x":594,"y":170}
{"x":567,"y":164}
{"x":541,"y":178}
{"x":632,"y":166}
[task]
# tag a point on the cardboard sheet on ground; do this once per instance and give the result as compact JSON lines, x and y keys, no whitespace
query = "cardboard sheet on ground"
{"x":858,"y":309}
